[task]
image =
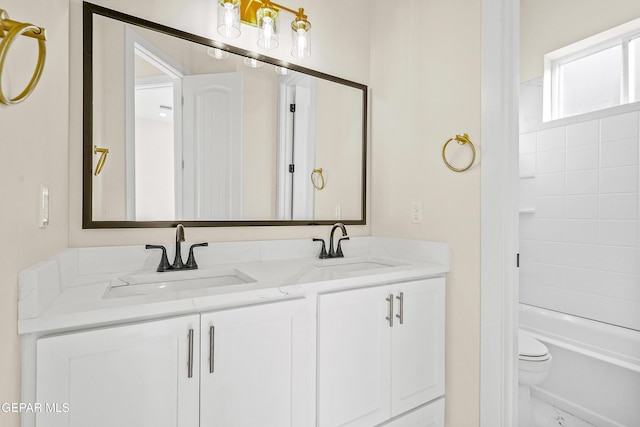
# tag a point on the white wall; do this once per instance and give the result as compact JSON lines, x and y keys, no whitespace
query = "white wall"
{"x":425,"y":80}
{"x":33,"y":145}
{"x":547,"y":25}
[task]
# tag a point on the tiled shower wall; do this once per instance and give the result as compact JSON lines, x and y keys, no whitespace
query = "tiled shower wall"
{"x":580,"y":218}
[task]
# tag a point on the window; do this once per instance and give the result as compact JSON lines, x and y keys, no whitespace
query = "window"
{"x":599,"y":72}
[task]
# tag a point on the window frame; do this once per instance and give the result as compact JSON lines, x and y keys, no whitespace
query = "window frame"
{"x":621,"y":35}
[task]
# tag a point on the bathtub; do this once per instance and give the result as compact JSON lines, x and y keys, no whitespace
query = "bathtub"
{"x":595,"y":374}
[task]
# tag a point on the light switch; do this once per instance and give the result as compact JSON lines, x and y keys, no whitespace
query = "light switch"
{"x":43,"y":207}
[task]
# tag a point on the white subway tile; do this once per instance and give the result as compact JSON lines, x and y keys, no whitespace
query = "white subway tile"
{"x":550,"y":207}
{"x":605,"y":283}
{"x":528,"y":272}
{"x":528,"y":250}
{"x":617,"y":258}
{"x":584,"y":133}
{"x":619,"y":127}
{"x":619,"y":153}
{"x":552,"y":230}
{"x":528,"y":143}
{"x":551,"y":184}
{"x":553,"y":253}
{"x":619,"y":180}
{"x":618,"y":233}
{"x":581,"y":231}
{"x":582,"y":157}
{"x":527,"y":227}
{"x":581,"y":207}
{"x":582,"y":255}
{"x":527,"y":193}
{"x":550,"y":161}
{"x":527,"y":164}
{"x":618,"y":206}
{"x":551,"y":139}
{"x":551,"y":275}
{"x":582,"y":182}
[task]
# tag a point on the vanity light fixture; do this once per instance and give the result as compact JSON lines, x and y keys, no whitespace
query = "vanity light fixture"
{"x":263,"y":14}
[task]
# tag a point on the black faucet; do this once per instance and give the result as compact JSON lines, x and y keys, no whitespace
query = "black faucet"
{"x":177,"y":262}
{"x":337,"y":253}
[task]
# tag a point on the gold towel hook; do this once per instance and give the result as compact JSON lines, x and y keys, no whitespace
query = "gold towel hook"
{"x":9,"y":30}
{"x":314,"y":181}
{"x":460,"y":139}
{"x":103,"y":158}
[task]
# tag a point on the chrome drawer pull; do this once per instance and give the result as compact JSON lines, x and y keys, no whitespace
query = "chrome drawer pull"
{"x":212,"y":332}
{"x":401,"y":315}
{"x":190,"y":362}
{"x":390,"y":317}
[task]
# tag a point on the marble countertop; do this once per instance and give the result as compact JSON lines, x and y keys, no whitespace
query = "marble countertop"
{"x":72,"y":290}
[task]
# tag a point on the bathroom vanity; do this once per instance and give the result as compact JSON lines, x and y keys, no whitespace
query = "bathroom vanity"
{"x":262,"y":334}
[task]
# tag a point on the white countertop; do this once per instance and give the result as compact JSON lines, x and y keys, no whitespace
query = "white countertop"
{"x":68,"y":291}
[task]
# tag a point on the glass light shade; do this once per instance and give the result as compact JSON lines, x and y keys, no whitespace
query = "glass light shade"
{"x":267,"y":18}
{"x":301,"y":40}
{"x":253,"y":63}
{"x":282,"y":70}
{"x":229,"y":18}
{"x":216,"y":53}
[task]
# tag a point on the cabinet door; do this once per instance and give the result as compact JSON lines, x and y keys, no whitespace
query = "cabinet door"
{"x":431,"y":415}
{"x":125,"y":376}
{"x":417,"y":344}
{"x":354,"y":357}
{"x":254,"y":366}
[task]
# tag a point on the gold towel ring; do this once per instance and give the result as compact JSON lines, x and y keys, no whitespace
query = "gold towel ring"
{"x":15,"y":29}
{"x":461,"y":139}
{"x":314,"y":182}
{"x":103,"y":158}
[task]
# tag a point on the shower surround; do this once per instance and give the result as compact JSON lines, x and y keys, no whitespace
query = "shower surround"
{"x":580,"y":255}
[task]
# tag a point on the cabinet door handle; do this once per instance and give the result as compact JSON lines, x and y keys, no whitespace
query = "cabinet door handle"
{"x":212,"y":334}
{"x":401,"y":314}
{"x":190,"y":361}
{"x":390,"y":317}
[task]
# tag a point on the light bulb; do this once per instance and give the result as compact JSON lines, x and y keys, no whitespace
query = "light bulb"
{"x":268,"y":28}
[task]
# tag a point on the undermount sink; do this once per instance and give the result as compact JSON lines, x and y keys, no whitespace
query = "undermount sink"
{"x":348,"y":267}
{"x":178,"y":281}
{"x":332,"y":269}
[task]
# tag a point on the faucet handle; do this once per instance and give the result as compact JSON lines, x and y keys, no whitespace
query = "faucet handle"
{"x":323,"y":250}
{"x":191,"y":261}
{"x":339,"y":253}
{"x":164,"y":261}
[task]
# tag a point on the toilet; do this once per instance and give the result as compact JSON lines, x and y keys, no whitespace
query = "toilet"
{"x":534,"y":362}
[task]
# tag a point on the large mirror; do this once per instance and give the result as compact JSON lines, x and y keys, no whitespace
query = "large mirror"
{"x":179,"y":128}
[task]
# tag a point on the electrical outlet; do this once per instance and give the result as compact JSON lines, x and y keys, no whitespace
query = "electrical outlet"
{"x":338,"y":212}
{"x":416,"y":213}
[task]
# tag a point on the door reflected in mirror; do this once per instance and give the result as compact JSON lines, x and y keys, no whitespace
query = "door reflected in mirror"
{"x":200,"y":135}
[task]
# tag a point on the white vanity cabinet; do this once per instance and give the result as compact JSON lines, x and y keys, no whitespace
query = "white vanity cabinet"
{"x":380,"y":352}
{"x":161,"y":374}
{"x":130,"y":376}
{"x":255,"y":366}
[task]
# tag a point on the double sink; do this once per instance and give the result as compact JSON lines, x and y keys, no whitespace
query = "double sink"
{"x":145,"y":284}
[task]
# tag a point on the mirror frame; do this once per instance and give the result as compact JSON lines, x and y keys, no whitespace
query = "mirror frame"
{"x":89,"y":10}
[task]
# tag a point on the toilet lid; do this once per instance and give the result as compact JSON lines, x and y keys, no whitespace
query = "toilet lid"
{"x":529,"y":346}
